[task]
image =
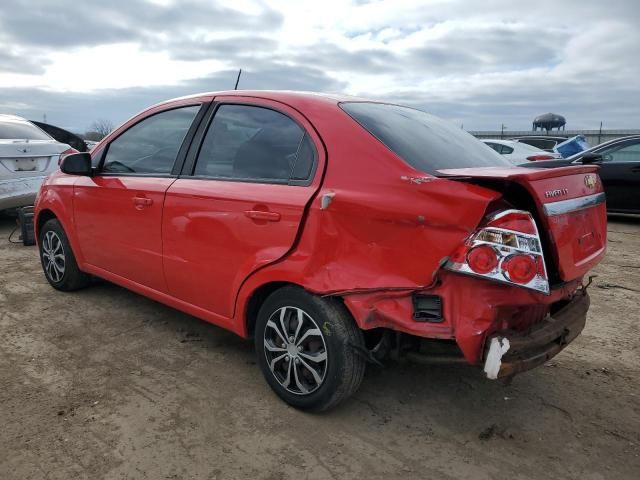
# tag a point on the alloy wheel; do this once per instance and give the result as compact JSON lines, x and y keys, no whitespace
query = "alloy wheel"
{"x":53,"y":256}
{"x":295,"y":350}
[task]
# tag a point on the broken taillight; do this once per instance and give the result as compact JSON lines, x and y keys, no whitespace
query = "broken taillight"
{"x":506,"y":249}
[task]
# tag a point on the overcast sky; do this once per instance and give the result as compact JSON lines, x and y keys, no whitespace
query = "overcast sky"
{"x":476,"y":63}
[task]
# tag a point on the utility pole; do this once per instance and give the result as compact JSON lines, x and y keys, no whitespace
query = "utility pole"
{"x":502,"y":129}
{"x":600,"y":133}
{"x":44,"y":118}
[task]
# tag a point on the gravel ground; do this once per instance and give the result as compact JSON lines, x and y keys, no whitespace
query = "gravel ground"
{"x":104,"y":383}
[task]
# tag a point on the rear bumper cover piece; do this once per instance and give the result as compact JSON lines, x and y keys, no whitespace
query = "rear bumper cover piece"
{"x":18,"y":192}
{"x":508,"y":353}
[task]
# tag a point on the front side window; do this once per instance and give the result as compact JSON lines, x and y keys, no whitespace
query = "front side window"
{"x":628,"y":153}
{"x":150,"y":146}
{"x":254,"y":143}
{"x":424,"y":141}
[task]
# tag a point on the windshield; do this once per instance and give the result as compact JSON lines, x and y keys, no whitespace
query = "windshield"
{"x":21,"y":131}
{"x":424,"y":141}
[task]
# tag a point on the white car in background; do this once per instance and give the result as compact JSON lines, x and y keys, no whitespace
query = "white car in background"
{"x":27,"y":156}
{"x":519,"y":153}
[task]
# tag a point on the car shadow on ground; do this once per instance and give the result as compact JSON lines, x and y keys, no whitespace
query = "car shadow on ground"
{"x":459,"y":393}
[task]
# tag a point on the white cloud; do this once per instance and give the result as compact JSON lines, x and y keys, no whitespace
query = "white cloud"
{"x":473,"y":62}
{"x":111,"y":66}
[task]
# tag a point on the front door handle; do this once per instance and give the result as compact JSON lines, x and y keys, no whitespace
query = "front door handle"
{"x":140,"y":202}
{"x":635,"y":169}
{"x":262,"y":215}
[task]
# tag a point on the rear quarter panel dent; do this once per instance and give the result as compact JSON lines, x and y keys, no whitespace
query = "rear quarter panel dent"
{"x":394,"y":238}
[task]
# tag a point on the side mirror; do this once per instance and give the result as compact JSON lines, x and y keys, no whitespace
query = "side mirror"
{"x":77,"y":164}
{"x":589,"y":158}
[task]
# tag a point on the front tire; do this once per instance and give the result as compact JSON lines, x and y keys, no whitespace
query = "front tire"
{"x":306,"y":348}
{"x":58,"y":262}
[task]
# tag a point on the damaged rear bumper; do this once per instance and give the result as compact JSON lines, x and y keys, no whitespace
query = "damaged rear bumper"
{"x":18,"y":192}
{"x":508,"y":353}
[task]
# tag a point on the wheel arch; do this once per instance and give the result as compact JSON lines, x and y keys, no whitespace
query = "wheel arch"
{"x":255,"y":300}
{"x":53,"y":206}
{"x":44,"y":216}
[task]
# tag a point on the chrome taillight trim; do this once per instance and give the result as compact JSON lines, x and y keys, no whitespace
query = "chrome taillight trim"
{"x":573,"y":204}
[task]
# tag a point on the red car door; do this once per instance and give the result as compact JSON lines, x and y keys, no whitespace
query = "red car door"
{"x":240,"y":205}
{"x":118,"y":211}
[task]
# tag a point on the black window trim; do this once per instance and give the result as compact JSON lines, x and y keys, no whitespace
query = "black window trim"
{"x":182,"y":152}
{"x":189,"y":166}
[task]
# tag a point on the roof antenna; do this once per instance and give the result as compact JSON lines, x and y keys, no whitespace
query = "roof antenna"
{"x":238,"y":79}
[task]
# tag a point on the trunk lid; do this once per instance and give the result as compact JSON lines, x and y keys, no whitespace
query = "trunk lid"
{"x":24,"y":158}
{"x":568,"y":203}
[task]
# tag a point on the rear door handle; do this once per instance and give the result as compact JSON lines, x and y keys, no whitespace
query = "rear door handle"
{"x":140,"y":202}
{"x":262,"y":215}
{"x":635,"y":169}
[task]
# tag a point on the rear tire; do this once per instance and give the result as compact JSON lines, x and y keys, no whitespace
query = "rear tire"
{"x":306,"y":348}
{"x":57,"y":259}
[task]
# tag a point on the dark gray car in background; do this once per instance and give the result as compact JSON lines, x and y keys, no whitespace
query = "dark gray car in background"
{"x":619,"y":161}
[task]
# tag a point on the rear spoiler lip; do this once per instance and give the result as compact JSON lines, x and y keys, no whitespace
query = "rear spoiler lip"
{"x":513,"y":173}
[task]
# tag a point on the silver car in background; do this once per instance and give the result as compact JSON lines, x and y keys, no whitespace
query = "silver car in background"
{"x":519,"y":153}
{"x":27,"y":156}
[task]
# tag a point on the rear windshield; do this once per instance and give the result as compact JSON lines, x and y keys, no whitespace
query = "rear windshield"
{"x":425,"y":142}
{"x":21,"y":131}
{"x":528,"y":147}
{"x":538,"y":143}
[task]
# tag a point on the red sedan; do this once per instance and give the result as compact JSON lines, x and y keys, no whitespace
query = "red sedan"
{"x":334,"y":231}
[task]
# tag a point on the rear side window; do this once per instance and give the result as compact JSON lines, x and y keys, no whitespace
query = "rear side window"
{"x":500,"y":148}
{"x":253,"y":143}
{"x":150,"y":146}
{"x":424,"y":141}
{"x":495,"y":146}
{"x":506,"y":150}
{"x":304,"y":161}
{"x":21,"y":131}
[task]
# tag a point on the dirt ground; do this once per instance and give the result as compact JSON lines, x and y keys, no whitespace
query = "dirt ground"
{"x":104,"y":383}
